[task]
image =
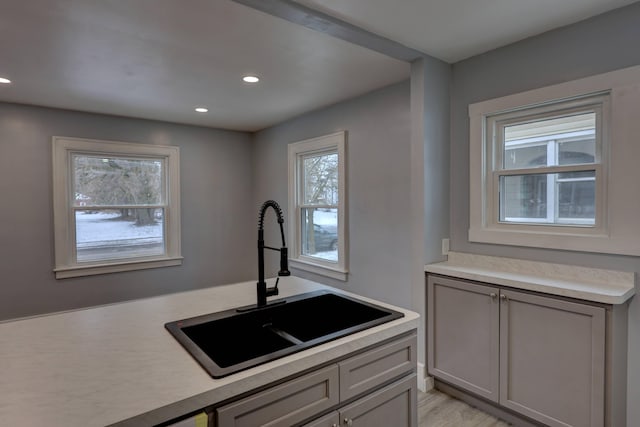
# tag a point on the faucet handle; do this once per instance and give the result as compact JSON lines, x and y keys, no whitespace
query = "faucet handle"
{"x":274,"y":290}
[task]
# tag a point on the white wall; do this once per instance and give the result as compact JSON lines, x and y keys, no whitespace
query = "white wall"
{"x":217,"y":211}
{"x":600,"y":44}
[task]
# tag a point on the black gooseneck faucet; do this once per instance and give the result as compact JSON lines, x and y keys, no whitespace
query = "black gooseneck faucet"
{"x":262,"y":290}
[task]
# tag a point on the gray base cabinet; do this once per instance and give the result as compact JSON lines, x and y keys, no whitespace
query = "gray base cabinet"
{"x":330,"y":420}
{"x":373,"y":388}
{"x":463,"y":335}
{"x":393,"y":405}
{"x":552,"y":359}
{"x":286,"y":404}
{"x":539,"y":356}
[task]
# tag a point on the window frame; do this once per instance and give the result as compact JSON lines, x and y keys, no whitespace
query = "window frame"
{"x":64,"y":148}
{"x":616,"y":231}
{"x":297,"y":151}
{"x":494,"y":145}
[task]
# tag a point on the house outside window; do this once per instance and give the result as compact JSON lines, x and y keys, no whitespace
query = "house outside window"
{"x":116,"y":206}
{"x":547,"y":167}
{"x":316,"y":204}
{"x":555,"y":167}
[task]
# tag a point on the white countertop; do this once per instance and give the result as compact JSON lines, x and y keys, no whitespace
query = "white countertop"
{"x":590,"y":284}
{"x":103,"y":365}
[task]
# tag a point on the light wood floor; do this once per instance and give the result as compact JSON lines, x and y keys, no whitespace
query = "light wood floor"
{"x":436,"y":409}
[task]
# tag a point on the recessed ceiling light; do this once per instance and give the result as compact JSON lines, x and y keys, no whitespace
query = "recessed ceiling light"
{"x":4,"y":80}
{"x":201,"y":109}
{"x":251,"y":79}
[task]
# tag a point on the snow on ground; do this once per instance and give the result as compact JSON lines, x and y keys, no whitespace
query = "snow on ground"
{"x":329,"y":221}
{"x":103,"y":227}
{"x":322,"y":217}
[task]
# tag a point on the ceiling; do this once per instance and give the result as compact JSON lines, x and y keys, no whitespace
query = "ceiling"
{"x":453,"y":30}
{"x":159,"y":59}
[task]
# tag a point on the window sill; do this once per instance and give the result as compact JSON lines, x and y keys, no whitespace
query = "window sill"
{"x":586,"y":242}
{"x":94,"y":269}
{"x":323,"y":270}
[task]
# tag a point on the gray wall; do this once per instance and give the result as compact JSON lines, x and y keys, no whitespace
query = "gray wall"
{"x":217,"y":211}
{"x":378,"y":186}
{"x":604,"y":43}
{"x":430,"y":86}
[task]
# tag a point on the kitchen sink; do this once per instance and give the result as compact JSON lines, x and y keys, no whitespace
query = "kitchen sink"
{"x":237,"y":339}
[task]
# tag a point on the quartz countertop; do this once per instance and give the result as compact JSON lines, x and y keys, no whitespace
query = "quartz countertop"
{"x":590,"y":284}
{"x":116,"y":364}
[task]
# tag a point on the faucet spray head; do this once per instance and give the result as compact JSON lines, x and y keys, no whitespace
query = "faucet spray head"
{"x":284,"y":263}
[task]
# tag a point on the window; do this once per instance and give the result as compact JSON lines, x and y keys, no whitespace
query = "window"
{"x":116,"y":206}
{"x":316,"y":203}
{"x":547,"y":163}
{"x":553,"y":167}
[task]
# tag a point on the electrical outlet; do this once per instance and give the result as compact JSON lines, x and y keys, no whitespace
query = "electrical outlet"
{"x":445,"y":246}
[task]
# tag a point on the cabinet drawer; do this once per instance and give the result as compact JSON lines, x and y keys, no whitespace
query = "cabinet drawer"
{"x":393,"y":405}
{"x":375,"y":367}
{"x":330,"y":420}
{"x":286,"y":404}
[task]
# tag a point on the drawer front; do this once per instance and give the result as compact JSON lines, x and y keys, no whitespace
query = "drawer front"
{"x":285,"y":404}
{"x":330,"y":420}
{"x":378,"y":366}
{"x":393,"y":405}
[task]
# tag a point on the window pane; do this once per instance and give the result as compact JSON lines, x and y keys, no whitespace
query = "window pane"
{"x":577,"y":196}
{"x":320,"y":233}
{"x":525,"y":144}
{"x":525,"y":157}
{"x":523,"y":198}
{"x":108,"y":234}
{"x":108,"y":181}
{"x":577,"y":152}
{"x":320,"y":179}
{"x":557,"y":198}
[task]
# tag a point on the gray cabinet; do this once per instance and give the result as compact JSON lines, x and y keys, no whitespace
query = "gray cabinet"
{"x":463,"y":335}
{"x":382,"y":379}
{"x":394,"y":405}
{"x":539,"y":356}
{"x":368,"y":370}
{"x":285,"y":404}
{"x":330,"y":420}
{"x":552,"y":359}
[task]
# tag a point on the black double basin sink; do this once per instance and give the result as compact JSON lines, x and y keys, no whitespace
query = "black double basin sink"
{"x":230,"y":341}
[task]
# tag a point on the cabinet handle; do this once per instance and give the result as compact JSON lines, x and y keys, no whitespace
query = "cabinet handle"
{"x":334,"y":425}
{"x":493,"y":295}
{"x":348,"y":421}
{"x":503,"y":297}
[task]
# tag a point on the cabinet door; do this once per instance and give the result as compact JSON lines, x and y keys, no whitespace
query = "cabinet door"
{"x":286,"y":404}
{"x":394,"y":405}
{"x":463,"y":334}
{"x":552,"y":359}
{"x":329,"y":420}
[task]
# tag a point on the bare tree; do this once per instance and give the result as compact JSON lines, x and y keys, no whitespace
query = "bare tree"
{"x":320,"y":189}
{"x":104,"y":182}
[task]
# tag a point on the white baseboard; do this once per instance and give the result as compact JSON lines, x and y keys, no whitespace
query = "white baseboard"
{"x":425,"y":383}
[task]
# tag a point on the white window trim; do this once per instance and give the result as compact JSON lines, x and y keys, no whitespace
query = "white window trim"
{"x":618,"y":232}
{"x":63,"y":148}
{"x":338,"y":271}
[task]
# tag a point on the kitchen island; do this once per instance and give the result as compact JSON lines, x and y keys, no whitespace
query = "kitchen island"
{"x":116,"y":364}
